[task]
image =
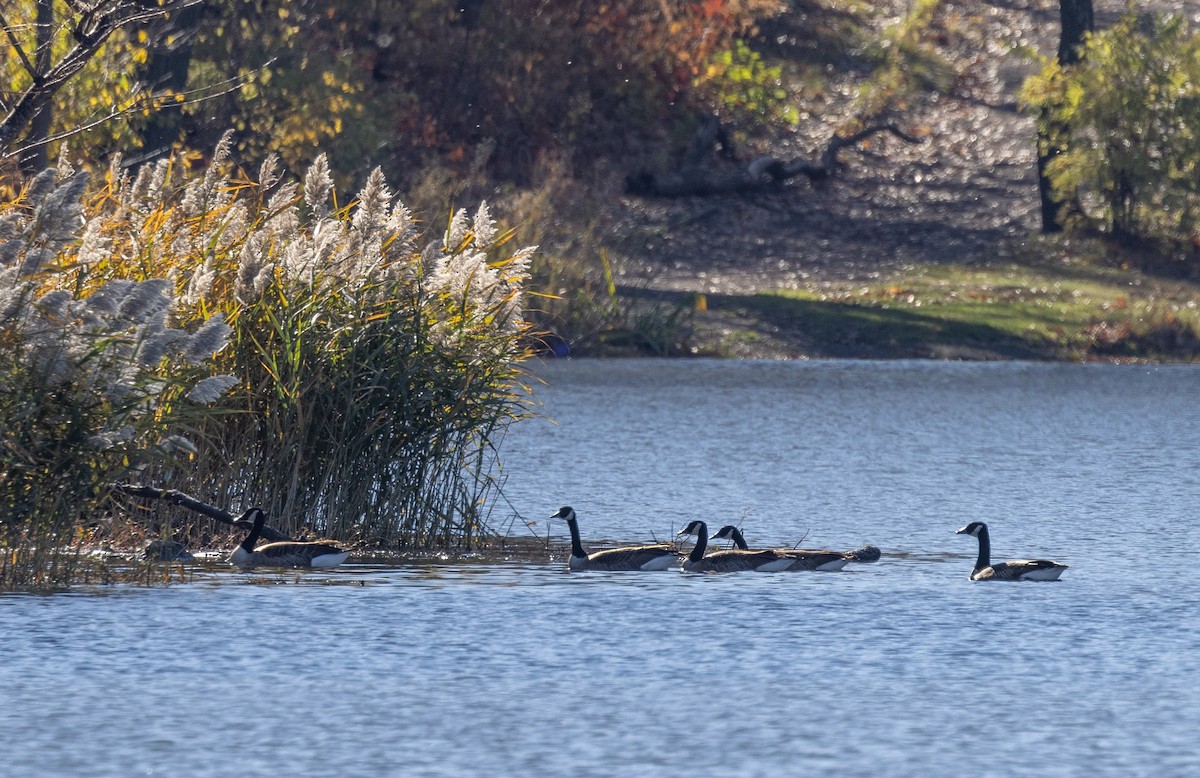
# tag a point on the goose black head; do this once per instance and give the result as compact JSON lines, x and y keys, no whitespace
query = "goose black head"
{"x":728,"y":531}
{"x":254,"y":514}
{"x":565,"y":512}
{"x":694,"y":528}
{"x":866,"y":554}
{"x":974,"y":528}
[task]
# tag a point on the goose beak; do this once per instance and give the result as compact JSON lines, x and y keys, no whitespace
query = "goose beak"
{"x":962,"y":531}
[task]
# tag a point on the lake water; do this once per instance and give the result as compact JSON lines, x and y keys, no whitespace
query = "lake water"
{"x":901,"y":668}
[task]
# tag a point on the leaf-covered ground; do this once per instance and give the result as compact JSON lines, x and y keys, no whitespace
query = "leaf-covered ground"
{"x":925,"y":250}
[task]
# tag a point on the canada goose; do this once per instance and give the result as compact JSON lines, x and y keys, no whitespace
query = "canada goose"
{"x":167,"y":551}
{"x":1013,"y":569}
{"x":865,"y":555}
{"x":285,"y":553}
{"x":730,"y":561}
{"x":825,"y":561}
{"x":658,"y":556}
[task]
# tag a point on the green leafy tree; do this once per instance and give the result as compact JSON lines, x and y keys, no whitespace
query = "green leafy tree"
{"x":744,"y":85}
{"x":1129,"y":117}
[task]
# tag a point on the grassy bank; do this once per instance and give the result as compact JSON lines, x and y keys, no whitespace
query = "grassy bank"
{"x":1027,"y":306}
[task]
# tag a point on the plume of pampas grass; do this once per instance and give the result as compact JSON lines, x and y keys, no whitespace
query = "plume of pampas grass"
{"x":268,"y":172}
{"x":373,"y":203}
{"x":371,"y":378}
{"x":208,"y":340}
{"x":145,"y":298}
{"x":456,"y":233}
{"x":318,"y":185}
{"x":41,"y":186}
{"x":211,"y":389}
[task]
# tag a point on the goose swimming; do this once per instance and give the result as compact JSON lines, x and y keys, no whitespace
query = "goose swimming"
{"x":658,"y":556}
{"x":804,"y":559}
{"x":1013,"y":569}
{"x":865,"y":555}
{"x":733,"y":560}
{"x":286,"y":553}
{"x":161,"y":550}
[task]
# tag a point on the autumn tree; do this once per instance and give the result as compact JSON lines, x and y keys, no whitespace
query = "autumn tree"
{"x":402,"y":83}
{"x":1077,"y":21}
{"x":48,"y":44}
{"x":1127,"y":124}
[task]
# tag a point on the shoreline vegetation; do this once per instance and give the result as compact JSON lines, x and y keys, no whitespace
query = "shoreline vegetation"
{"x":272,"y":349}
{"x":124,"y":564}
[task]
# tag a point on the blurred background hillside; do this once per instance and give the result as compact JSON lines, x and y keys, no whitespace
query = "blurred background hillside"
{"x":548,"y":109}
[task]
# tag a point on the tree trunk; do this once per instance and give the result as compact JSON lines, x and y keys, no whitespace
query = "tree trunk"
{"x":1077,"y":20}
{"x":40,"y":124}
{"x":167,"y":72}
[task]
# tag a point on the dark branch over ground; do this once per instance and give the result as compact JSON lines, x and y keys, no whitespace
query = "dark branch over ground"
{"x":698,"y":179}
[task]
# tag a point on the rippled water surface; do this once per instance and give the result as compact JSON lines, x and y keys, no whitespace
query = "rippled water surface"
{"x":900,"y":668}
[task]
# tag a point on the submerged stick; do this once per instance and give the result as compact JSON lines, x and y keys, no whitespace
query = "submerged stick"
{"x":191,"y":503}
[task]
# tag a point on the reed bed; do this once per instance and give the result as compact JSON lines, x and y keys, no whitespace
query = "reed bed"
{"x":326,"y":362}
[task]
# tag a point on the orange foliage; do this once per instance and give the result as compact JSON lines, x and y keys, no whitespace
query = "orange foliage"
{"x":421,"y":76}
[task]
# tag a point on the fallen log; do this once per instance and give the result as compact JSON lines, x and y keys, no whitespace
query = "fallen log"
{"x":765,"y":172}
{"x":191,"y":503}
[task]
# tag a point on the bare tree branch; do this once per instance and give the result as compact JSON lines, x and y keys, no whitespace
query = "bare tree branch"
{"x":16,"y":44}
{"x":90,"y":29}
{"x":228,"y":86}
{"x":191,"y":503}
{"x":762,"y":173}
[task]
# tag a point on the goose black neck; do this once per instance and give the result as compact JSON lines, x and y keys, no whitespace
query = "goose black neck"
{"x":701,"y":544}
{"x":738,"y":540}
{"x":252,"y":538}
{"x":576,"y":543}
{"x":985,"y":550}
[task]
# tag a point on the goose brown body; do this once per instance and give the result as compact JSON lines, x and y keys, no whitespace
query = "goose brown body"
{"x":731,"y":561}
{"x":1013,"y":569}
{"x":805,"y":559}
{"x":285,"y":553}
{"x":655,"y":556}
